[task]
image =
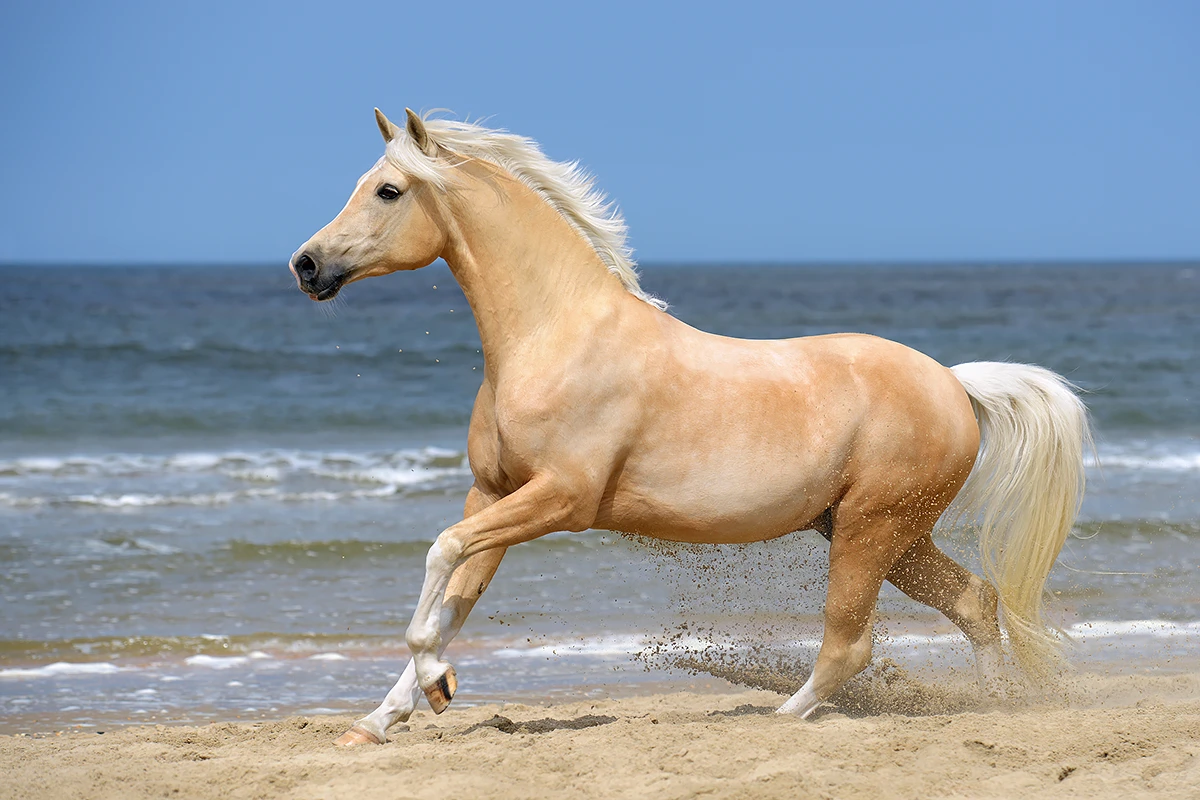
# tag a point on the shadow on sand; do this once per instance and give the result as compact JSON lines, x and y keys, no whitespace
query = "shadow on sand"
{"x":506,"y":725}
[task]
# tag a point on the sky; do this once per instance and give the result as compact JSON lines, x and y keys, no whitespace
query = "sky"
{"x":740,"y":132}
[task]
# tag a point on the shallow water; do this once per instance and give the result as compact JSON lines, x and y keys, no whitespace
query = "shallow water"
{"x":216,"y":496}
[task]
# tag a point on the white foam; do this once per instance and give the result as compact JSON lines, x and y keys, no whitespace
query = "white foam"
{"x":17,"y":501}
{"x":608,"y":646}
{"x":197,"y":462}
{"x":1153,"y":628}
{"x":137,"y":500}
{"x":328,"y":657}
{"x":600,"y":646}
{"x":157,"y":548}
{"x":215,"y":662}
{"x":263,"y":463}
{"x":61,"y":668}
{"x":1168,"y":463}
{"x":909,"y":639}
{"x":393,"y":476}
{"x":255,"y":475}
{"x":1156,"y":456}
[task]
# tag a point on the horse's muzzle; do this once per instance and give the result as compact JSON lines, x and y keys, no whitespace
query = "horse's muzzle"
{"x":317,"y":283}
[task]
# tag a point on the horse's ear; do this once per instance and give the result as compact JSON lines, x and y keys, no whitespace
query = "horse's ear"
{"x":386,"y":127}
{"x":420,"y":136}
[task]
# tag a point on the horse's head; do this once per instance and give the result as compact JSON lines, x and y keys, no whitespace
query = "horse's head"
{"x":391,"y":222}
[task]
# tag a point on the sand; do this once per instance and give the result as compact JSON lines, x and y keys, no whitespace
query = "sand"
{"x":1105,"y":737}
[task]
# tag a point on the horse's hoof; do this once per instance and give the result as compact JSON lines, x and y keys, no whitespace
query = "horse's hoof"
{"x":356,"y":736}
{"x":441,"y":692}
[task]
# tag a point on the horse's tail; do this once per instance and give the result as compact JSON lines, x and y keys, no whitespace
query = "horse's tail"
{"x":1024,"y":492}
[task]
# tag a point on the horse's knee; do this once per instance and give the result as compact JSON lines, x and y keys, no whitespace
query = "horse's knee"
{"x":444,"y":554}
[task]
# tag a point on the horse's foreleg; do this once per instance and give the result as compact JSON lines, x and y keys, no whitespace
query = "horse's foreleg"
{"x":929,"y":576}
{"x":537,"y":508}
{"x":859,"y":558}
{"x":468,"y":583}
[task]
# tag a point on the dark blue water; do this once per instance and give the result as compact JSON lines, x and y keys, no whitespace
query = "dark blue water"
{"x":237,"y":354}
{"x":215,"y":495}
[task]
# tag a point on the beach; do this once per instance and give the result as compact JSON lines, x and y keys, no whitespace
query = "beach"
{"x":1114,"y":737}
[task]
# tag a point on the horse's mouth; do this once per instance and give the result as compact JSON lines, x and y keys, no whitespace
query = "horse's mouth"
{"x":326,"y":292}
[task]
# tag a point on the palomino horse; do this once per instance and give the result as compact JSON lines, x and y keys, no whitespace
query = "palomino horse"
{"x":600,"y":410}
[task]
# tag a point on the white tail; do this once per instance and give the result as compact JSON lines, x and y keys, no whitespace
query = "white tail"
{"x":1024,"y":492}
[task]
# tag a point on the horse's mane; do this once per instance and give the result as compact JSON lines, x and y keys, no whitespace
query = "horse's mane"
{"x":566,"y":186}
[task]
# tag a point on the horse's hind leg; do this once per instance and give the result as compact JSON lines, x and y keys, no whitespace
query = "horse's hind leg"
{"x":929,"y":576}
{"x":861,"y":553}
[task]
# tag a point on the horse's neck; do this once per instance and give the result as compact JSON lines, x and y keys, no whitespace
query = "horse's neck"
{"x":525,"y":271}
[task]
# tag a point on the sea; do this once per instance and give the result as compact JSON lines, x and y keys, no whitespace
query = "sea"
{"x":216,"y":496}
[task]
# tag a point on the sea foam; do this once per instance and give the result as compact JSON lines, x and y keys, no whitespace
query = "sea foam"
{"x":61,"y":669}
{"x":124,"y":481}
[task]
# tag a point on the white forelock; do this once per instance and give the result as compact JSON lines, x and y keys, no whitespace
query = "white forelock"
{"x":567,"y":187}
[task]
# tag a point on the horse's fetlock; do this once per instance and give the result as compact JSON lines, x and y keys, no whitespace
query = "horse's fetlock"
{"x":421,"y":640}
{"x":859,"y":655}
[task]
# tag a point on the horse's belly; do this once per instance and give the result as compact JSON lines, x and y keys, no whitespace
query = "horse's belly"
{"x":750,"y":502}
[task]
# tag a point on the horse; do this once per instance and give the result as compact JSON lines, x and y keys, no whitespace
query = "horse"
{"x":598,"y":409}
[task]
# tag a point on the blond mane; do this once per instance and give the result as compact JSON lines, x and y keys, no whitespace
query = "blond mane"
{"x":566,"y":186}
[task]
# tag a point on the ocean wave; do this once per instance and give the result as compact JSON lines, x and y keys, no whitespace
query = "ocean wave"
{"x":336,"y":551}
{"x":1177,"y":462}
{"x":1136,"y":529}
{"x":1082,"y":632}
{"x":227,"y":653}
{"x":597,"y":647}
{"x":216,"y":662}
{"x":1152,"y":628}
{"x":122,"y":480}
{"x":272,"y":464}
{"x":1179,"y":455}
{"x":137,"y":500}
{"x":124,"y":545}
{"x":144,"y":650}
{"x":342,"y":550}
{"x":60,"y":669}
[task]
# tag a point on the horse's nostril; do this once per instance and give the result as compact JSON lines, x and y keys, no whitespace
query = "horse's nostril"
{"x":305,"y":267}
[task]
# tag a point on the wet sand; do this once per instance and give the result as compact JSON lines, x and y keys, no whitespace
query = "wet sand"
{"x":1127,"y":737}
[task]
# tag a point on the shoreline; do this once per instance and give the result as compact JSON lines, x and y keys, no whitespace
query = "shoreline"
{"x":917,"y":669}
{"x":1126,"y":736}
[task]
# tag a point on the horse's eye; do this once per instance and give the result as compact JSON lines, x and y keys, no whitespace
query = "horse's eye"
{"x":388,"y":192}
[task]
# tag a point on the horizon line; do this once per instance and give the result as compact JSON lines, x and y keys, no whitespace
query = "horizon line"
{"x":836,"y":262}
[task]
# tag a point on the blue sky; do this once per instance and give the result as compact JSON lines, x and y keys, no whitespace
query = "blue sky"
{"x":173,"y":132}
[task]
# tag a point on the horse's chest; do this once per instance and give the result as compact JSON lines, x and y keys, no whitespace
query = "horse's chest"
{"x":504,"y":444}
